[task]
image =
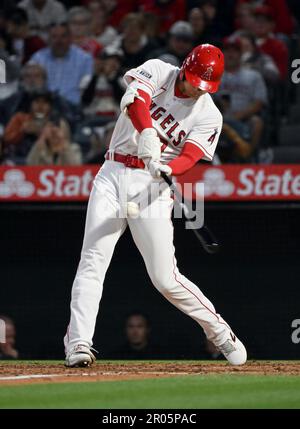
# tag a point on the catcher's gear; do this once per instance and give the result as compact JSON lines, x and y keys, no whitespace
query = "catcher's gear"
{"x":203,"y":67}
{"x":149,"y":145}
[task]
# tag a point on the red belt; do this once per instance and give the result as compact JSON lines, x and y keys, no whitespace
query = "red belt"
{"x":130,"y":161}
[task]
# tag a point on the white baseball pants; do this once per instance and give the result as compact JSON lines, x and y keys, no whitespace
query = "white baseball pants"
{"x":154,"y":238}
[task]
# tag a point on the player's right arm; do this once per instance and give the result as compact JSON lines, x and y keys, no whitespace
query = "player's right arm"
{"x":142,"y":83}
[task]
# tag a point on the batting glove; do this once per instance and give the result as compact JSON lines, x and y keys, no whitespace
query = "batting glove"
{"x":156,"y":168}
{"x":149,"y":145}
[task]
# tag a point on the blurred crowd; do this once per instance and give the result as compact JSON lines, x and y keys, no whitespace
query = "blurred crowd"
{"x":65,"y":61}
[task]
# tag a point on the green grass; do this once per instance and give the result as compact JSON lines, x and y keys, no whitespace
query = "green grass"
{"x":192,"y":391}
{"x":209,"y":391}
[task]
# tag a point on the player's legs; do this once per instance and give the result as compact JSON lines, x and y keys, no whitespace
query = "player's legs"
{"x":154,"y":239}
{"x":102,"y":231}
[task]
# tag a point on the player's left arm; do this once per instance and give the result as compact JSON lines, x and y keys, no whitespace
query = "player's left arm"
{"x":200,"y":143}
{"x":189,"y":156}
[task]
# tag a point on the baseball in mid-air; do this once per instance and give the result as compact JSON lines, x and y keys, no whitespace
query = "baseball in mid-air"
{"x":133,"y":209}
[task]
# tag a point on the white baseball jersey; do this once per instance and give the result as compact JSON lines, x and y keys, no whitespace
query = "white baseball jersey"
{"x":116,"y":187}
{"x":176,"y":120}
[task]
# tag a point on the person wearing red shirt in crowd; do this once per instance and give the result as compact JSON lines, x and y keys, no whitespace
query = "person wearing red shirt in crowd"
{"x":24,"y":45}
{"x":115,"y":9}
{"x":284,"y":22}
{"x":79,"y":19}
{"x":268,"y":43}
{"x":168,"y":11}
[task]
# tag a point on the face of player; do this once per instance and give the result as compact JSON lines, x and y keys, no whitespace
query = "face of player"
{"x":190,"y":91}
{"x":137,"y":330}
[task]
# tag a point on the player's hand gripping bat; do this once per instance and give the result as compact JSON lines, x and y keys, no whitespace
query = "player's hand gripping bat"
{"x":204,"y":235}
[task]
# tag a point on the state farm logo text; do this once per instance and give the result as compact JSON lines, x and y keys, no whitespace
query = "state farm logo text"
{"x":249,"y":182}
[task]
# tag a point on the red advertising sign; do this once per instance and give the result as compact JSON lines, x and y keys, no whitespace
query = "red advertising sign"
{"x":46,"y":183}
{"x":245,"y":182}
{"x":221,"y":183}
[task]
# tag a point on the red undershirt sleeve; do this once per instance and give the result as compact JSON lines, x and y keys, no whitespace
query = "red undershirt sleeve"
{"x":189,"y":156}
{"x":139,"y":112}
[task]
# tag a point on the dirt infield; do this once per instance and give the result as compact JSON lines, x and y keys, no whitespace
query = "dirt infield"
{"x":12,"y":374}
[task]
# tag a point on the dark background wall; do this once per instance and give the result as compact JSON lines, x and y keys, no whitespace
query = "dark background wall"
{"x":253,"y":282}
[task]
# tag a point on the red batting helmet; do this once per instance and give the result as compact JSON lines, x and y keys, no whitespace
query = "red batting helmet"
{"x":203,"y":67}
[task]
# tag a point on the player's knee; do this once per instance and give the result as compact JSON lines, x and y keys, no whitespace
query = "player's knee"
{"x":164,"y":283}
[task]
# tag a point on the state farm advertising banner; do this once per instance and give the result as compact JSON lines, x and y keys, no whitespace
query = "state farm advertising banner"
{"x":221,"y":183}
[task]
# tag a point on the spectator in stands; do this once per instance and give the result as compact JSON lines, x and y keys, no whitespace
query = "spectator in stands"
{"x":54,"y":147}
{"x":168,"y":11}
{"x":133,"y":41}
{"x":218,"y":17}
{"x":24,"y":44}
{"x":25,"y":128}
{"x":80,"y":20}
{"x":33,"y":79}
{"x":12,"y":67}
{"x":104,"y":34}
{"x":253,"y":58}
{"x":138,"y":344}
{"x":284,"y":22}
{"x":105,"y":89}
{"x":12,"y":73}
{"x":233,"y":145}
{"x":244,"y":19}
{"x":42,"y":14}
{"x":267,"y":42}
{"x":116,"y":10}
{"x":151,"y":23}
{"x":7,"y":348}
{"x":179,"y":44}
{"x":66,"y":65}
{"x":246,"y":93}
{"x":93,"y":139}
{"x":197,"y":20}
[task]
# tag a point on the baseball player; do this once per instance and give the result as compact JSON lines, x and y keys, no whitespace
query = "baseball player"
{"x":168,"y":122}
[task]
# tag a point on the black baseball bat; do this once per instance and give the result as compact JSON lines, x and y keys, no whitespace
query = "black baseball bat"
{"x":204,"y":235}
